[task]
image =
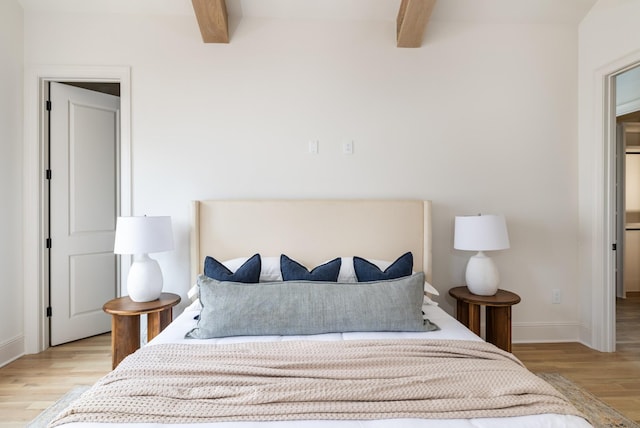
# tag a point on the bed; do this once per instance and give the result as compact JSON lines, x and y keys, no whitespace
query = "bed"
{"x":352,"y":369}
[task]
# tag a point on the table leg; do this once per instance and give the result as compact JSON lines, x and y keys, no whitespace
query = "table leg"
{"x":157,"y":321}
{"x":469,"y":315}
{"x":125,"y":337}
{"x":474,"y":318}
{"x":462,"y":312}
{"x":499,"y":326}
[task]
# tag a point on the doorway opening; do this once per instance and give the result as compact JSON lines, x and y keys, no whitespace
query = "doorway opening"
{"x":627,"y":124}
{"x":81,"y":203}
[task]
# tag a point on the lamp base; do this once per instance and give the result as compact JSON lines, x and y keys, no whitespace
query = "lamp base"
{"x":144,"y":282}
{"x":482,"y":275}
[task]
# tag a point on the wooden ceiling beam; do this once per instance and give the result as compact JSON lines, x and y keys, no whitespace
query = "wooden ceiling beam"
{"x":213,"y":20}
{"x":412,"y":21}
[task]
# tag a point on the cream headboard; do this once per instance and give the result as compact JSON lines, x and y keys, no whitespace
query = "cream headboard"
{"x":311,"y":231}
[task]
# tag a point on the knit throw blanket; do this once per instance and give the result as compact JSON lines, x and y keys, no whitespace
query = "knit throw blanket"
{"x":305,"y":380}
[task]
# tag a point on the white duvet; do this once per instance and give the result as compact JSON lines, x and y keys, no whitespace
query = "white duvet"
{"x":449,"y":329}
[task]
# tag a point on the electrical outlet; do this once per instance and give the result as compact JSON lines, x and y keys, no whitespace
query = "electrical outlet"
{"x":556,"y":296}
{"x":347,"y":147}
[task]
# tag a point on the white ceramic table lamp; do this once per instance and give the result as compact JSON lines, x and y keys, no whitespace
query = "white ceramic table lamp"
{"x":140,"y":236}
{"x":481,"y":233}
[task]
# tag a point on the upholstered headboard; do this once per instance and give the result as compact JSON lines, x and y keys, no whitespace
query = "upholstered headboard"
{"x":311,"y":231}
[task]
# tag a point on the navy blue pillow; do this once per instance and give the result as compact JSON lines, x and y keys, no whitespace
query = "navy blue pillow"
{"x":248,"y":273}
{"x":294,"y":271}
{"x":367,"y":271}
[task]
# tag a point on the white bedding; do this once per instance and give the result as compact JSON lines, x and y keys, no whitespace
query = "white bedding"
{"x":449,"y":329}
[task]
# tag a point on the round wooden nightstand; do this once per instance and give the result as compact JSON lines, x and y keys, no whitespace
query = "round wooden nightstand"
{"x":125,"y":322}
{"x":498,"y":314}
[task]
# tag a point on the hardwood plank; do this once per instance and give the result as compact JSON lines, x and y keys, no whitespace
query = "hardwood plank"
{"x":34,"y":382}
{"x":612,"y":377}
{"x":412,"y":21}
{"x":212,"y":19}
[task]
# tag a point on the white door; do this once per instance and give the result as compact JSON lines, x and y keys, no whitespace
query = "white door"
{"x":83,"y":196}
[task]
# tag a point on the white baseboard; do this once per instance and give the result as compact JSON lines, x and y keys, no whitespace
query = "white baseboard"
{"x":11,"y":350}
{"x":546,"y":332}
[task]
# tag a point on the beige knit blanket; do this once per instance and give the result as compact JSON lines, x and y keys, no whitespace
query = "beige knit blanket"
{"x":303,"y":380}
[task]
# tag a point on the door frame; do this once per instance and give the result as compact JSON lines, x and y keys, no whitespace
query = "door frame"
{"x":36,"y":331}
{"x":603,"y":258}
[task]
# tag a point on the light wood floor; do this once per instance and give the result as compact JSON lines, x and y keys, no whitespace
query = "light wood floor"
{"x":34,"y":382}
{"x":612,"y":377}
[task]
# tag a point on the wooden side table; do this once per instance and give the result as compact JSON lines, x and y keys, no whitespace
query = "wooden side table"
{"x":497,"y":311}
{"x":125,"y":322}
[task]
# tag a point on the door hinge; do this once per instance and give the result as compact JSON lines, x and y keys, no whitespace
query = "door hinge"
{"x":49,"y":312}
{"x":613,"y":247}
{"x":48,"y":243}
{"x":48,"y":174}
{"x":47,"y":105}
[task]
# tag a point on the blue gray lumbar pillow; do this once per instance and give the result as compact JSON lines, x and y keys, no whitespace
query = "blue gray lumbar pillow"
{"x":248,"y":272}
{"x":294,"y":271}
{"x":367,"y":271}
{"x":305,"y":307}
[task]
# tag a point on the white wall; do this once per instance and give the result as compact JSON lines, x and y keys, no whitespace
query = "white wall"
{"x":609,"y":41}
{"x":482,"y":118}
{"x":11,"y":62}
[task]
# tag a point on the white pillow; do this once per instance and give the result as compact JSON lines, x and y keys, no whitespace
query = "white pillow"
{"x":270,"y":270}
{"x":195,"y":305}
{"x":430,"y":289}
{"x":192,"y":294}
{"x":428,"y":301}
{"x":348,"y":273}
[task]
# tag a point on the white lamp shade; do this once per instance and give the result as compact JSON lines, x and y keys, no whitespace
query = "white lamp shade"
{"x":481,"y":233}
{"x":141,"y":235}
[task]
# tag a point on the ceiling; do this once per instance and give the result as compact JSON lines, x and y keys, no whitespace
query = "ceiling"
{"x":411,"y":16}
{"x":491,"y":11}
